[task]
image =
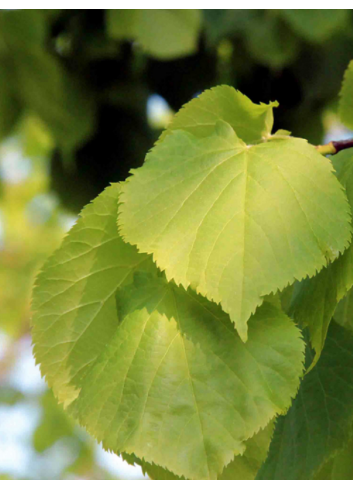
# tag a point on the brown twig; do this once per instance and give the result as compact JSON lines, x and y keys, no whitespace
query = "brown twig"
{"x":335,"y":147}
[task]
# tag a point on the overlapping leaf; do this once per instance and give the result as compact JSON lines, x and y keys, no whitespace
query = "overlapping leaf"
{"x":320,"y":418}
{"x":344,"y":311}
{"x":246,"y":466}
{"x":236,"y":222}
{"x":178,"y":387}
{"x":74,"y":302}
{"x":251,"y":122}
{"x":172,"y":382}
{"x":243,"y":467}
{"x":317,"y":298}
{"x":346,"y":100}
{"x":339,"y":467}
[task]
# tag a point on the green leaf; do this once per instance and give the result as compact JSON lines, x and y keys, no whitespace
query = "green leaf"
{"x":251,"y":122}
{"x":172,"y":373}
{"x":320,"y":418}
{"x":340,"y":467}
{"x":64,"y":106}
{"x":10,"y":395}
{"x":224,"y":23}
{"x":23,"y":27}
{"x":316,"y":298}
{"x":41,"y":83}
{"x":242,"y":467}
{"x":270,"y":41}
{"x":178,"y":387}
{"x":235,"y":222}
{"x":10,"y":108}
{"x":346,"y":98}
{"x":344,"y":311}
{"x":343,"y":163}
{"x":74,"y":298}
{"x":246,"y":466}
{"x":316,"y":25}
{"x":162,"y":33}
{"x":54,"y":424}
{"x":154,"y":472}
{"x":122,"y":23}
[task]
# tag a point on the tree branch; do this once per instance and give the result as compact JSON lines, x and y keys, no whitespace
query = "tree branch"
{"x":335,"y":147}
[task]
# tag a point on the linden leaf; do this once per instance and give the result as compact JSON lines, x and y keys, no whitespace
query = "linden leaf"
{"x":344,"y":311}
{"x":339,"y":467}
{"x":316,"y":298}
{"x":252,"y":122}
{"x":320,"y":419}
{"x":246,"y":466}
{"x":178,"y":388}
{"x":161,"y":372}
{"x":242,"y":467}
{"x":74,"y":298}
{"x":346,"y":98}
{"x":235,"y":222}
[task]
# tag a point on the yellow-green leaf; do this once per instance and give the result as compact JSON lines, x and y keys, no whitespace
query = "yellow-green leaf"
{"x":233,"y":221}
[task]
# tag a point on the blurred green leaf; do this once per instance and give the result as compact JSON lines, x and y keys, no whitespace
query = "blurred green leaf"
{"x":42,"y":85}
{"x":54,"y":424}
{"x":316,"y":25}
{"x":223,"y":23}
{"x":10,"y":107}
{"x":162,"y":33}
{"x":22,"y":27}
{"x":270,"y":42}
{"x":10,"y":395}
{"x":346,"y":100}
{"x":45,"y":89}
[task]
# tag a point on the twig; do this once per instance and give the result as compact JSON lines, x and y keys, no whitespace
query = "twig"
{"x":335,"y":147}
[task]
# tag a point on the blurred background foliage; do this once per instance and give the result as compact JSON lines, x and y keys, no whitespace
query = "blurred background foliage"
{"x":84,"y":94}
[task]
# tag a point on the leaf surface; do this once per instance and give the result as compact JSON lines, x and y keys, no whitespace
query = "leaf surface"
{"x":316,"y":298}
{"x":344,"y":311}
{"x":242,"y":467}
{"x":74,"y":298}
{"x":161,"y":372}
{"x":177,"y":387}
{"x":251,"y":122}
{"x":340,"y":467}
{"x":320,"y":418}
{"x":246,"y":466}
{"x":235,"y":222}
